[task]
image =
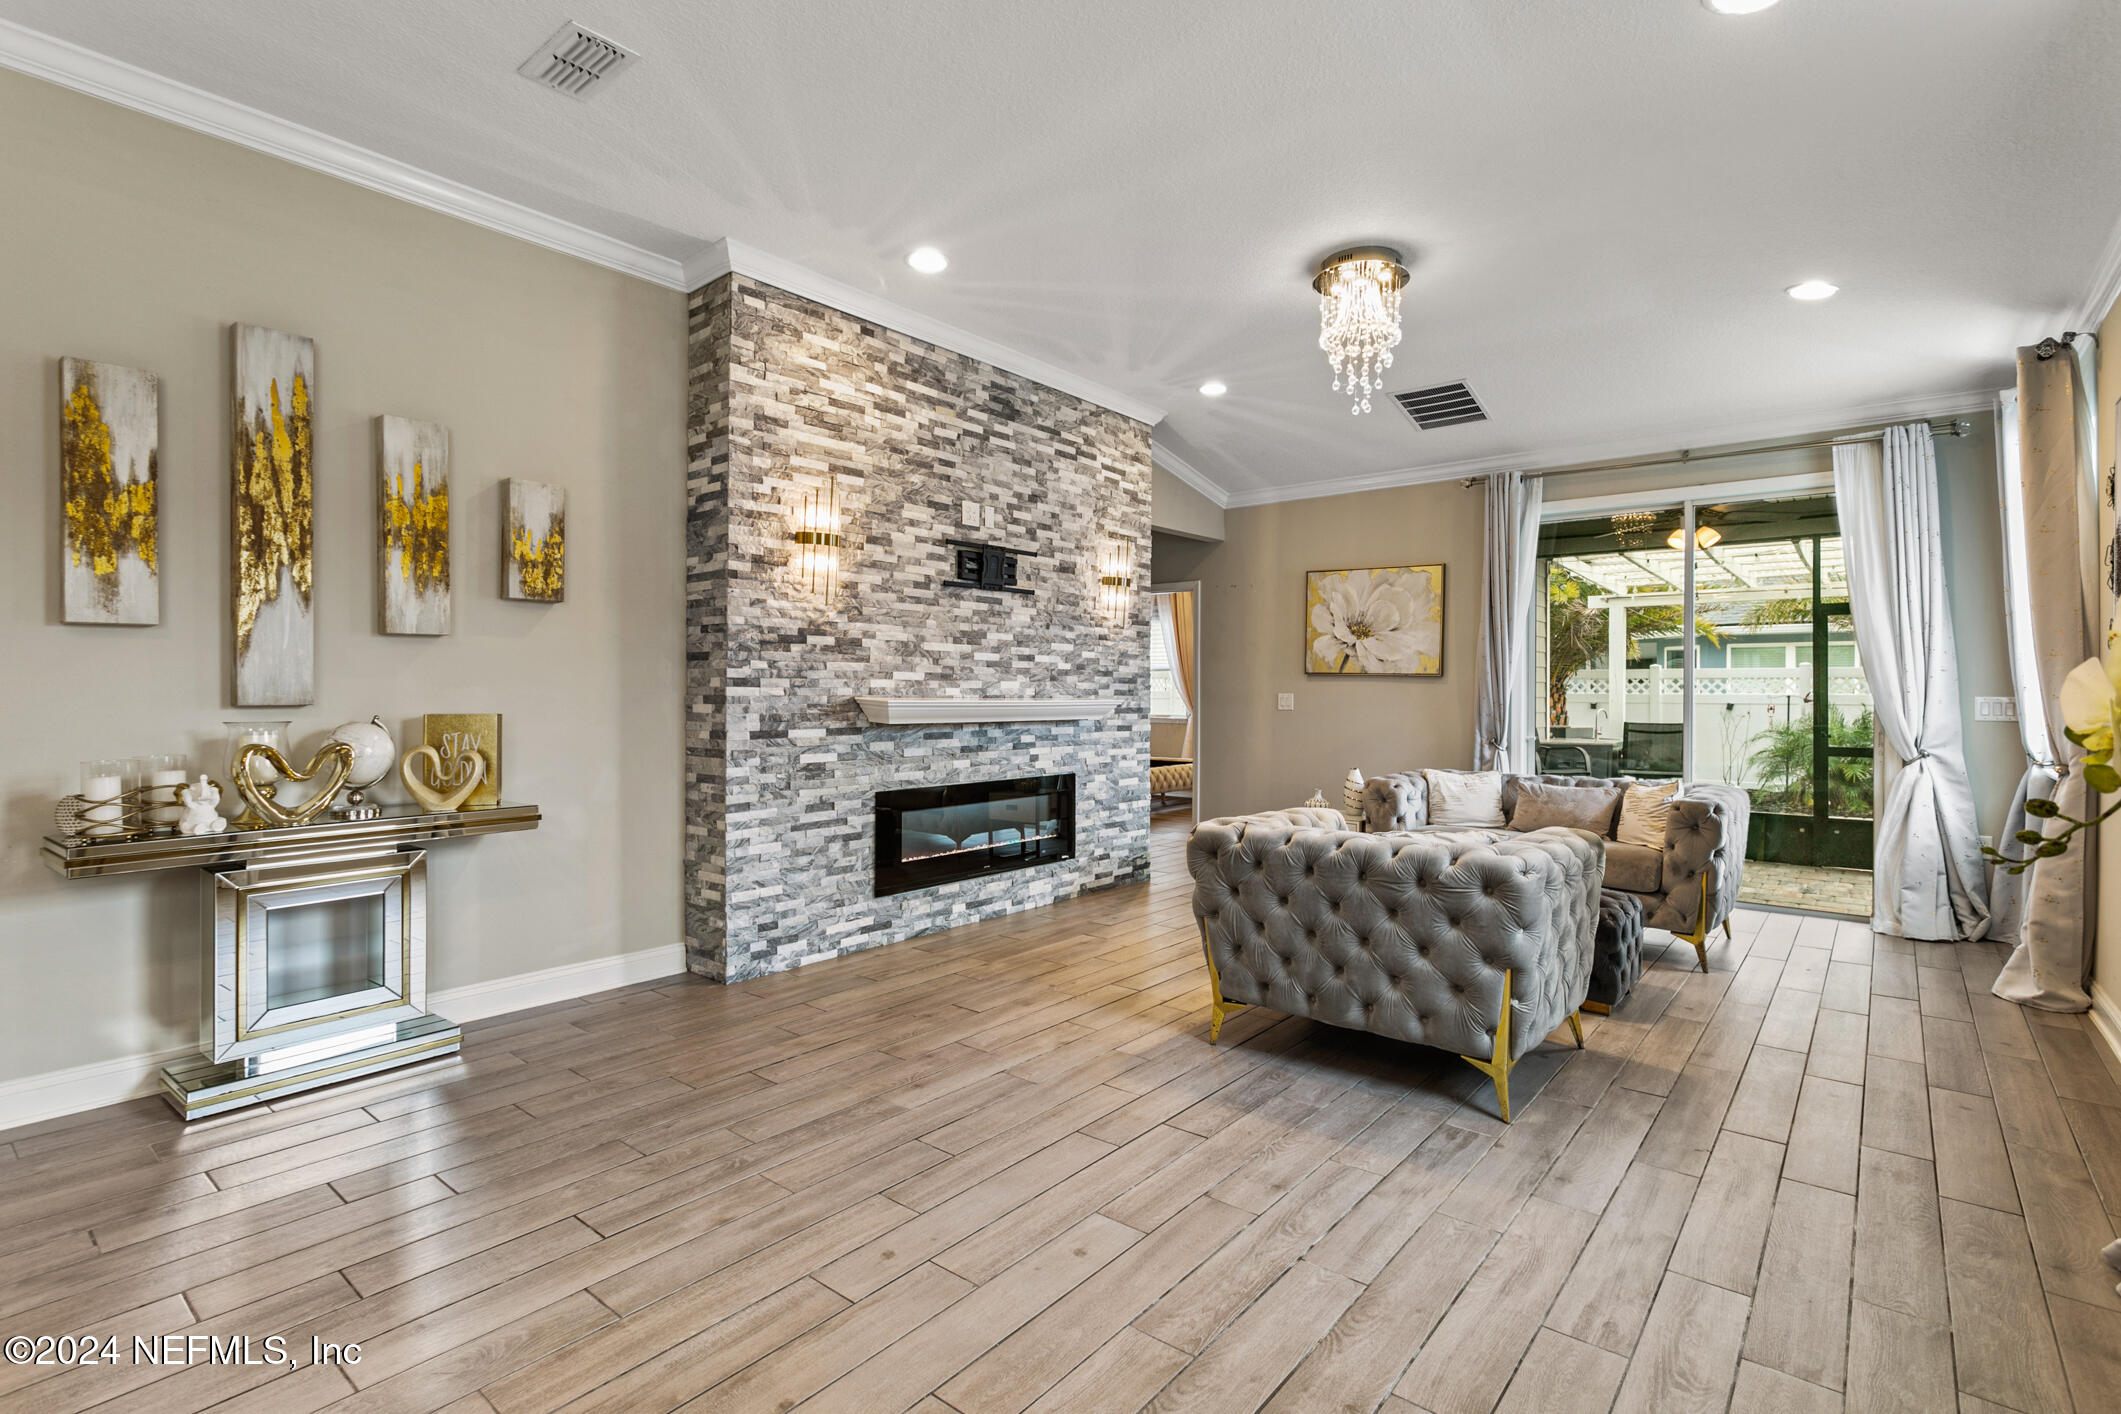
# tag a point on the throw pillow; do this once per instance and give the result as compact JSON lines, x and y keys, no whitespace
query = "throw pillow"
{"x":1465,"y":797}
{"x":1541,"y":806}
{"x":1643,"y":814}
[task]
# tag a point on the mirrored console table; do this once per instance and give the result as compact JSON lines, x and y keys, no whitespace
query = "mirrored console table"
{"x":315,"y":942}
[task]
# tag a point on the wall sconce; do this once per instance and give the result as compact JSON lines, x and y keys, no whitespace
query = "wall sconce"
{"x":1115,"y":580}
{"x":816,"y":561}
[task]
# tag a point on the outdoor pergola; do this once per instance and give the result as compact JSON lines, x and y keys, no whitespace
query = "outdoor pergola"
{"x":1754,"y":572}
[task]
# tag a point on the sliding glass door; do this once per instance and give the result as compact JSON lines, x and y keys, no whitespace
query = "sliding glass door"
{"x":1776,"y":700}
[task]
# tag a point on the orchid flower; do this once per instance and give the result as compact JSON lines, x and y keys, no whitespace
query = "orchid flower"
{"x":2091,"y":711}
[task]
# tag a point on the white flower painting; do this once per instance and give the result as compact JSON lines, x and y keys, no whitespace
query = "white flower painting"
{"x":1375,"y":622}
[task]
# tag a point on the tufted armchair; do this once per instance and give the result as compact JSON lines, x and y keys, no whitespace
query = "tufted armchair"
{"x":1689,"y":889}
{"x":1475,"y":941}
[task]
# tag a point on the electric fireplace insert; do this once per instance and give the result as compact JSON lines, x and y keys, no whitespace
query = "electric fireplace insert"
{"x":935,"y":834}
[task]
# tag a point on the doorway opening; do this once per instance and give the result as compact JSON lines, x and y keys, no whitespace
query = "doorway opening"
{"x":1773,"y":700}
{"x":1174,"y":695}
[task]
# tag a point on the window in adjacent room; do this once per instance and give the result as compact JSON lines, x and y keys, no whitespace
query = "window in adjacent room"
{"x":1165,"y":699}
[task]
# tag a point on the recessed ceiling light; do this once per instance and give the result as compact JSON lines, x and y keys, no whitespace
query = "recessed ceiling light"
{"x":1814,"y":290}
{"x":1214,"y":388}
{"x":928,"y":260}
{"x":1738,"y":7}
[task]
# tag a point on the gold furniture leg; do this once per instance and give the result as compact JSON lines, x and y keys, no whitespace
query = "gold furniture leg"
{"x":1218,"y":1009}
{"x":1497,"y":1068}
{"x":1700,"y":936}
{"x":1576,"y":1025}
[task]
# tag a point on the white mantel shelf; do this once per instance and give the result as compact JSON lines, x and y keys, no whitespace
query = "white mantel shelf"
{"x":931,"y":711}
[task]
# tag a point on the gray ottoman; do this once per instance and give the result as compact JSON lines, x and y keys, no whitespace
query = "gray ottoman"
{"x":1616,"y":956}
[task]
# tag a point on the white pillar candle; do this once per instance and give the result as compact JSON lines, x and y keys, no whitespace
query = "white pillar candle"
{"x":100,"y":780}
{"x":166,"y":781}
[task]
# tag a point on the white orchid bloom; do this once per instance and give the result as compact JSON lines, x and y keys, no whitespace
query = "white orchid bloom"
{"x":1384,"y":623}
{"x":2091,"y":700}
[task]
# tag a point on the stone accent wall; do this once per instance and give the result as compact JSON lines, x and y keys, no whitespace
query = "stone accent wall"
{"x":780,"y":765}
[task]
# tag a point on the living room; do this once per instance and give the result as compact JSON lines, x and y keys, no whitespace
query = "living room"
{"x":1394,"y":709}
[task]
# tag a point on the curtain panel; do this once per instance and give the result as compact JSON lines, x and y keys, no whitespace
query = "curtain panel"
{"x":1502,"y":723}
{"x":1929,"y":879}
{"x":2058,"y":489}
{"x":2006,"y":891}
{"x":1182,"y":636}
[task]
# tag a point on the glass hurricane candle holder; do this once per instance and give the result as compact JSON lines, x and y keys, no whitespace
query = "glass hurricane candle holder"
{"x":160,"y":776}
{"x":102,"y":783}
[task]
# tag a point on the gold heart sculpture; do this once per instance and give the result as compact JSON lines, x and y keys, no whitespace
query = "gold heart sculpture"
{"x":336,"y":757}
{"x":440,"y":802}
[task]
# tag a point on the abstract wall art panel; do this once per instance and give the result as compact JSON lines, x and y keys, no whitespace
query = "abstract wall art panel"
{"x":275,"y":390}
{"x":412,"y":525}
{"x":533,"y":541}
{"x":1375,"y":622}
{"x":109,"y":441}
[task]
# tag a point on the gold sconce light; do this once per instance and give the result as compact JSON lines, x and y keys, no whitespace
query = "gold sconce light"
{"x":816,"y":561}
{"x":1115,"y":580}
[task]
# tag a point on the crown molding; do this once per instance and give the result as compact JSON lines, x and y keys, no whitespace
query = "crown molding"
{"x":1169,"y":461}
{"x":70,"y":66}
{"x":724,"y":256}
{"x":2106,"y":286}
{"x":1699,"y":439}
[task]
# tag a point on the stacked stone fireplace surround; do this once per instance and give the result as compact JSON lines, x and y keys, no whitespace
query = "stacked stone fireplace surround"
{"x":781,"y":767}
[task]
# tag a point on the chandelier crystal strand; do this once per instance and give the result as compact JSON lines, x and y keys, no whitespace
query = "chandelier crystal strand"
{"x":1358,"y":319}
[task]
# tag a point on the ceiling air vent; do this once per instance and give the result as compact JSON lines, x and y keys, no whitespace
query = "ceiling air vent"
{"x":1445,"y":405}
{"x":576,"y":61}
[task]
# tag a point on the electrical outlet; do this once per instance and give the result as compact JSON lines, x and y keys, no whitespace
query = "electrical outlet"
{"x":1285,"y":702}
{"x":1995,"y":709}
{"x":969,"y":515}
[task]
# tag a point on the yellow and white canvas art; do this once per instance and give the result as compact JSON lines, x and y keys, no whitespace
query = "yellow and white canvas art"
{"x":1374,"y":622}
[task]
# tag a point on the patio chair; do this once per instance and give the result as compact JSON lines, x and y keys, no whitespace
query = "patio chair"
{"x":1652,"y":751}
{"x":1561,"y":759}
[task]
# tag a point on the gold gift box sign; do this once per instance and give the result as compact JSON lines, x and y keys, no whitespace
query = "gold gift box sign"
{"x":455,"y":736}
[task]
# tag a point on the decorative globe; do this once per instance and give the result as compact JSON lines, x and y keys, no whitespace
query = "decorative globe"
{"x":373,"y":751}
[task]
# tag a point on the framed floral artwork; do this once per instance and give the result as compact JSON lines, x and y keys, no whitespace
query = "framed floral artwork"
{"x":1374,"y":622}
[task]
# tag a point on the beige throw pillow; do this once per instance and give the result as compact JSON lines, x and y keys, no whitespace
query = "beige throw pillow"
{"x":1465,"y":797}
{"x":1643,"y":814}
{"x":1541,"y":806}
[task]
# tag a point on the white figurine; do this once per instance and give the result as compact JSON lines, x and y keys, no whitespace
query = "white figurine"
{"x":199,"y":802}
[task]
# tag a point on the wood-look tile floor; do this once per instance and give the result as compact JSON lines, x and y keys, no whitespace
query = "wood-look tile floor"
{"x":1000,"y":1170}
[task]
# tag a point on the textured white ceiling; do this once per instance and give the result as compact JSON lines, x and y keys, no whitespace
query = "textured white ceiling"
{"x":1602,"y":200}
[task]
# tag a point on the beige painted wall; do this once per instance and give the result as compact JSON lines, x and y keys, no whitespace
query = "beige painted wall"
{"x":1178,"y":509}
{"x":1254,"y":757}
{"x":131,"y":241}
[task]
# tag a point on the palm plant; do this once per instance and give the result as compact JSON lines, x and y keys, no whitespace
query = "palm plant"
{"x":1781,"y":760}
{"x":1576,"y":633}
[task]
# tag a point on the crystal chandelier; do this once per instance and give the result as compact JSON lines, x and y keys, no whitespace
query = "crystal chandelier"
{"x":1358,"y":317}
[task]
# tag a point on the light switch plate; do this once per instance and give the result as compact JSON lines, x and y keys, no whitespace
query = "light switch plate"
{"x":1995,"y":709}
{"x":1285,"y":702}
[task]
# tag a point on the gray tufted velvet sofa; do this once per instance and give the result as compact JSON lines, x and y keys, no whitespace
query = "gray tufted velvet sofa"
{"x":1474,"y":941}
{"x":1690,"y":888}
